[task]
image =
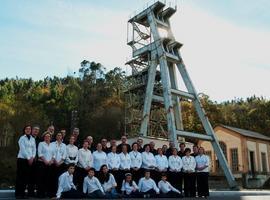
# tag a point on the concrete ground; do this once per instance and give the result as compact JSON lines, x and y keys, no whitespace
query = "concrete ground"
{"x":219,"y":195}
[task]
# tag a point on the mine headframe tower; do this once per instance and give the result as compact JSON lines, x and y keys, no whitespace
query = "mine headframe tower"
{"x":155,"y":59}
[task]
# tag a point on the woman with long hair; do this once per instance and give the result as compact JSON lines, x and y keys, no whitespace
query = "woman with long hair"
{"x":108,"y":182}
{"x":25,"y":158}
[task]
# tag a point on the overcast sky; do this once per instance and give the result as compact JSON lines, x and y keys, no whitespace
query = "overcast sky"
{"x":226,"y":43}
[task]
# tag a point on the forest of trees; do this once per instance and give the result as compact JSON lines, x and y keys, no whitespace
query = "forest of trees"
{"x":97,"y":96}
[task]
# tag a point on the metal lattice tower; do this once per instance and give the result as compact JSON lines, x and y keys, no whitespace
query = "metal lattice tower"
{"x":150,"y":51}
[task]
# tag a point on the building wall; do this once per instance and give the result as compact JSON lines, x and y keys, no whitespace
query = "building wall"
{"x":263,"y":148}
{"x":232,"y":141}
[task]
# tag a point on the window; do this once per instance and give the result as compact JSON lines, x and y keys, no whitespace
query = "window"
{"x":264,"y":164}
{"x":234,"y":159}
{"x":224,"y":149}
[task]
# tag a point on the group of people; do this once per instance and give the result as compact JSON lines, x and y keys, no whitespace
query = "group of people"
{"x":56,"y":166}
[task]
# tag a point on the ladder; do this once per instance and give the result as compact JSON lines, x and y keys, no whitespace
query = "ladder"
{"x":164,"y":51}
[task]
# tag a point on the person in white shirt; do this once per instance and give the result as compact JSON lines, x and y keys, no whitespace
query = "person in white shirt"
{"x":125,"y":161}
{"x":108,"y":183}
{"x":113,"y":160}
{"x":45,"y":161}
{"x":99,"y":158}
{"x":162,"y":164}
{"x":189,"y":165}
{"x":25,"y":159}
{"x":66,"y":187}
{"x":85,"y":162}
{"x":136,"y":162}
{"x":148,"y":159}
{"x":166,"y":189}
{"x":72,"y":152}
{"x":147,"y":186}
{"x":91,"y":186}
{"x":202,"y":168}
{"x":129,"y":187}
{"x":175,"y":168}
{"x":59,"y":158}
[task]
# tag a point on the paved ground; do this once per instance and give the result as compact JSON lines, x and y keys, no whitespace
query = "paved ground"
{"x":219,"y":195}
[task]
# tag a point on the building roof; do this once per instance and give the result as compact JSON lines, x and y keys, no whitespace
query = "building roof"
{"x":247,"y":133}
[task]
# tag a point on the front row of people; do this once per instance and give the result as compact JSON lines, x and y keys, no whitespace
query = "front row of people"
{"x":105,"y":186}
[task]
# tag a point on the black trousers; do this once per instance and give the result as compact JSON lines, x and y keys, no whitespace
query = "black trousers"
{"x":189,"y":184}
{"x":137,"y":175}
{"x":80,"y":174}
{"x":45,"y":180}
{"x":118,"y":178}
{"x":135,"y":194}
{"x":96,"y":195}
{"x":72,"y":194}
{"x":170,"y":194}
{"x":152,"y":193}
{"x":202,"y":184}
{"x":33,"y":179}
{"x":176,"y":179}
{"x":56,"y":172}
{"x":22,"y":177}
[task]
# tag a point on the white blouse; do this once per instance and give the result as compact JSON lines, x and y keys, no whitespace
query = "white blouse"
{"x":100,"y":158}
{"x":113,"y":160}
{"x":125,"y":161}
{"x":126,"y":187}
{"x":202,"y":161}
{"x":107,"y":186}
{"x":59,"y":151}
{"x":85,"y":158}
{"x":175,"y":163}
{"x":27,"y":147}
{"x":147,"y":184}
{"x":46,"y":150}
{"x":162,"y":162}
{"x":148,"y":160}
{"x":72,"y":154}
{"x":136,"y":159}
{"x":189,"y":163}
{"x":166,"y":187}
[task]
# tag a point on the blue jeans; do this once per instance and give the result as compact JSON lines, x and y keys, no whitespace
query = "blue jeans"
{"x":112,"y":194}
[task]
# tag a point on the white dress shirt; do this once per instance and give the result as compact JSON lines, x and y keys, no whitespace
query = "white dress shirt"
{"x":166,"y":187}
{"x":127,"y":188}
{"x":175,"y":163}
{"x":113,"y":160}
{"x":202,"y":161}
{"x":72,"y":154}
{"x":65,"y":183}
{"x":125,"y":161}
{"x":60,"y":152}
{"x":148,"y":160}
{"x":46,"y":150}
{"x":85,"y":158}
{"x":99,"y":159}
{"x":162,"y":162}
{"x":136,"y":159}
{"x":147,"y":184}
{"x":107,"y":186}
{"x":90,"y":185}
{"x":27,"y":147}
{"x":189,"y":163}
